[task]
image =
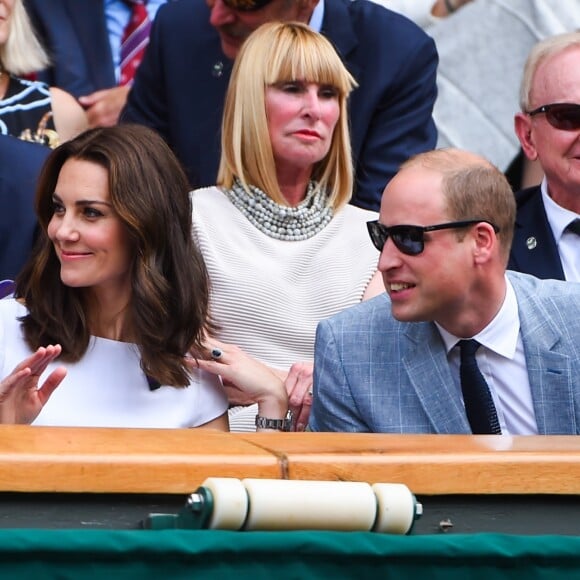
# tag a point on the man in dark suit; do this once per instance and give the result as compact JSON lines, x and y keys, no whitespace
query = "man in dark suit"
{"x":83,"y":39}
{"x":547,"y":234}
{"x":180,"y":86}
{"x":19,"y":169}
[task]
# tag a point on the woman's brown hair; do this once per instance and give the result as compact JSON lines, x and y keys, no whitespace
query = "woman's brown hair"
{"x":168,"y":311}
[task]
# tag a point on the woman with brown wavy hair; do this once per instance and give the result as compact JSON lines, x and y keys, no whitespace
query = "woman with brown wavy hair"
{"x":116,"y":290}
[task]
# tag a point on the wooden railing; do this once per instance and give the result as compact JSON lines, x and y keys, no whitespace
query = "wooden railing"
{"x":60,"y":459}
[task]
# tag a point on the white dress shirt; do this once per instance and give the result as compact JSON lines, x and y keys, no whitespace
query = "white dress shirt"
{"x":317,"y":16}
{"x":568,"y":243}
{"x":502,"y":362}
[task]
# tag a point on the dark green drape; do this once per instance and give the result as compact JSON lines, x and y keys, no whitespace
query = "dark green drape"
{"x":175,"y":554}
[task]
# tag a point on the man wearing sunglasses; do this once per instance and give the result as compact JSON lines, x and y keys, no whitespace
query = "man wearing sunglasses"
{"x":547,"y":233}
{"x":180,"y":86}
{"x":456,"y":345}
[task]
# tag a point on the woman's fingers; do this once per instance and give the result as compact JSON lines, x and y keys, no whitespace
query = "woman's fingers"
{"x":20,"y":397}
{"x":12,"y":381}
{"x":298,"y":385}
{"x":30,"y":369}
{"x":38,"y":361}
{"x":301,"y":419}
{"x":51,"y":383}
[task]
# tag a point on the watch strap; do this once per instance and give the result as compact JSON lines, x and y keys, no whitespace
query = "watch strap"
{"x":276,"y":424}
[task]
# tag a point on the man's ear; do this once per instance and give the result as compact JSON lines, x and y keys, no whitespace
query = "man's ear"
{"x":523,"y":129}
{"x":485,"y":242}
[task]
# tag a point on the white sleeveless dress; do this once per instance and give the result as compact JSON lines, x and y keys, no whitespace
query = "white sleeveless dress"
{"x":268,"y":295}
{"x":107,"y":387}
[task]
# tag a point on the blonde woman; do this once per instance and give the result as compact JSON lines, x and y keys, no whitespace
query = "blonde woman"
{"x":283,"y":247}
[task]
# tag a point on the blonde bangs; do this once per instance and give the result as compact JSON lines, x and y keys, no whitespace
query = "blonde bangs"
{"x":311,"y":59}
{"x":276,"y":53}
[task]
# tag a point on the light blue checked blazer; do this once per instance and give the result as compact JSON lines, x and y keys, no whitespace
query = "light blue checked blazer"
{"x":375,"y":374}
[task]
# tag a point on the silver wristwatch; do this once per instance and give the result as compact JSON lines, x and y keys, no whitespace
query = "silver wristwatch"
{"x":277,"y":424}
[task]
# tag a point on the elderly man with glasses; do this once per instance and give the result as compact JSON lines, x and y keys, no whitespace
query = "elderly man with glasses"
{"x":456,"y":345}
{"x":547,"y":233}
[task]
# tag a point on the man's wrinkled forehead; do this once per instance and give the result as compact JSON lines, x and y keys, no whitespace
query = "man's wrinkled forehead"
{"x":246,"y":5}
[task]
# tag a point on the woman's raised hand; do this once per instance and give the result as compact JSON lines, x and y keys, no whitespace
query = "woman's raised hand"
{"x":21,"y":399}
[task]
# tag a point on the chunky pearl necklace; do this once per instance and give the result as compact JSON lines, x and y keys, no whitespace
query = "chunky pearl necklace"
{"x":282,"y":222}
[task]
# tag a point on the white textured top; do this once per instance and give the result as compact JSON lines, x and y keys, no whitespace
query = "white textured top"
{"x":107,"y":387}
{"x":269,"y":295}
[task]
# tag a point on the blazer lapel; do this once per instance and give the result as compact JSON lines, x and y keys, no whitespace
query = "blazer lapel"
{"x":337,"y":27}
{"x":534,"y":249}
{"x":549,"y":369}
{"x":428,"y":371}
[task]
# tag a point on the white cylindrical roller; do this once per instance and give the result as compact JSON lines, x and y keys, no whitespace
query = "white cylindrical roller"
{"x":395,"y":508}
{"x":309,"y":505}
{"x":230,"y":503}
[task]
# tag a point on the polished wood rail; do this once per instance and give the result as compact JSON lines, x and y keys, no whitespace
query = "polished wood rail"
{"x":433,"y":464}
{"x":62,"y":459}
{"x":65,"y":459}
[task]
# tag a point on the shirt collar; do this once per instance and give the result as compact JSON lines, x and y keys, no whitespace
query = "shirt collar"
{"x":558,"y":217}
{"x":317,"y":16}
{"x":501,"y":334}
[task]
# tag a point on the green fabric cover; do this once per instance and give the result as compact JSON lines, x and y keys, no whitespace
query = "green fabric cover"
{"x":175,"y":554}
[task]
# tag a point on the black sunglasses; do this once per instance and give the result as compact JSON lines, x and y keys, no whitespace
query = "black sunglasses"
{"x":564,"y":116}
{"x":410,"y":240}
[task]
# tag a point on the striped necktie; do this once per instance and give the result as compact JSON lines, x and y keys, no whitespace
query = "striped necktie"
{"x":134,"y":41}
{"x":479,"y":407}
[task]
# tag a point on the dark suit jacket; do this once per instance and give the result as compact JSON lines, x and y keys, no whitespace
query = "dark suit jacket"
{"x":75,"y":34}
{"x":534,"y":249}
{"x":180,"y":86}
{"x":20,"y":164}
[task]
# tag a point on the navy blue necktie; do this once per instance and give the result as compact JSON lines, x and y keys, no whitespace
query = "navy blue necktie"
{"x":574,"y":227}
{"x":479,"y":407}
